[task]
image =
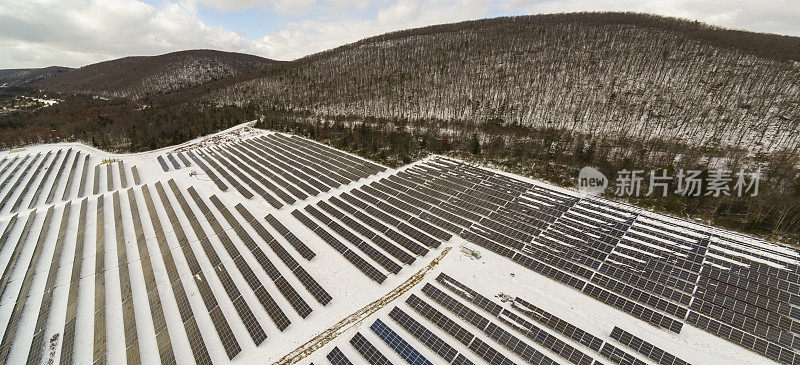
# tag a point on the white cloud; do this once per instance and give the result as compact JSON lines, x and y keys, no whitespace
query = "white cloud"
{"x":307,"y":37}
{"x":38,"y":33}
{"x":78,"y":32}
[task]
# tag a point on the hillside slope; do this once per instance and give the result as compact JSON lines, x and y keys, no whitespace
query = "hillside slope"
{"x":134,"y":77}
{"x":26,"y":76}
{"x":608,"y":75}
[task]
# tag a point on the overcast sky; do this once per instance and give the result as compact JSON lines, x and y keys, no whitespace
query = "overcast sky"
{"x":37,"y":33}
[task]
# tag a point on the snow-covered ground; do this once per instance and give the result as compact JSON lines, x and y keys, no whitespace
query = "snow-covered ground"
{"x":350,"y":289}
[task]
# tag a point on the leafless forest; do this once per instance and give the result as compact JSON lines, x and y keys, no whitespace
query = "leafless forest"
{"x":605,"y":75}
{"x":538,"y":95}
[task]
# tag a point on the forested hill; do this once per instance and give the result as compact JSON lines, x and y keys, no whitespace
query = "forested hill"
{"x":135,"y":77}
{"x":608,"y":75}
{"x":23,"y":77}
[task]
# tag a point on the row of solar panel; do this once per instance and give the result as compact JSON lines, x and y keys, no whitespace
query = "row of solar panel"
{"x":156,"y":299}
{"x":526,"y":328}
{"x":281,"y":170}
{"x":57,"y":167}
{"x":495,"y":238}
{"x":544,"y":338}
{"x":37,"y":346}
{"x":374,"y":215}
{"x":173,"y":162}
{"x":667,"y":281}
{"x":645,"y":348}
{"x":756,"y":315}
{"x":357,"y":261}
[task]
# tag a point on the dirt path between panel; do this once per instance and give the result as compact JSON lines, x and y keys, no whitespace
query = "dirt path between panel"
{"x":331,"y":333}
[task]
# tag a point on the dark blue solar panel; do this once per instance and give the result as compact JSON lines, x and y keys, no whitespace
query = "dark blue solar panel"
{"x":399,"y":345}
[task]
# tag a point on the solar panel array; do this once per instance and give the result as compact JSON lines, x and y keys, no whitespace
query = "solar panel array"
{"x":336,"y":357}
{"x":406,"y":351}
{"x":368,"y":351}
{"x":31,"y":181}
{"x":280,"y":169}
{"x":645,"y":348}
{"x":109,"y":224}
{"x":661,"y":271}
{"x":170,"y":162}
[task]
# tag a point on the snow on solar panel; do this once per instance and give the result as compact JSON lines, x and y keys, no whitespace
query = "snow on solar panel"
{"x":554,"y":276}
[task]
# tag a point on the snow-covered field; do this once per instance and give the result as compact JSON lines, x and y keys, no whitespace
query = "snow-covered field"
{"x":106,"y":284}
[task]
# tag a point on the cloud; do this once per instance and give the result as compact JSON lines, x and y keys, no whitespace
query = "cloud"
{"x":39,"y":33}
{"x":76,"y":32}
{"x":307,"y":37}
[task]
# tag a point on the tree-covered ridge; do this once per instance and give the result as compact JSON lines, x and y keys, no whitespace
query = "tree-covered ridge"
{"x":652,"y":78}
{"x":136,"y":77}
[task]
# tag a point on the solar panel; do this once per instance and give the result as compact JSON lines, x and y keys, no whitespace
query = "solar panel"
{"x":84,"y":174}
{"x":322,"y":173}
{"x":370,"y":251}
{"x":214,"y":178}
{"x":497,"y":333}
{"x":337,"y":357}
{"x":153,"y":294}
{"x":7,"y":230}
{"x":236,"y":184}
{"x":389,"y":232}
{"x":249,"y":182}
{"x":68,"y":338}
{"x":9,"y":164}
{"x":128,"y":314}
{"x":224,"y":331}
{"x":266,"y":300}
{"x":96,"y":186}
{"x":542,"y":337}
{"x":270,"y":172}
{"x":28,"y":184}
{"x":301,"y":247}
{"x":296,"y":169}
{"x":288,"y":292}
{"x":162,"y":163}
{"x":557,"y":324}
{"x":123,"y":178}
{"x":50,"y":169}
{"x":454,"y":329}
{"x":109,"y":177}
{"x":37,"y":343}
{"x":308,"y":282}
{"x":135,"y":172}
{"x":398,"y":344}
{"x":248,"y":319}
{"x":12,"y":261}
{"x":16,"y":168}
{"x":345,"y":172}
{"x":70,"y":177}
{"x":263,"y":180}
{"x":368,"y":351}
{"x":19,"y":303}
{"x":645,"y":348}
{"x":618,"y":356}
{"x":174,"y":162}
{"x":282,"y":169}
{"x":354,"y":259}
{"x":182,"y":157}
{"x":424,"y":335}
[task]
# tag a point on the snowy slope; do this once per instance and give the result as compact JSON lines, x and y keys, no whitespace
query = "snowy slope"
{"x":105,"y":280}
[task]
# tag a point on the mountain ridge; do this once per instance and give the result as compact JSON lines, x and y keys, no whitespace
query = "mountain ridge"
{"x":138,"y":76}
{"x":682,"y":79}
